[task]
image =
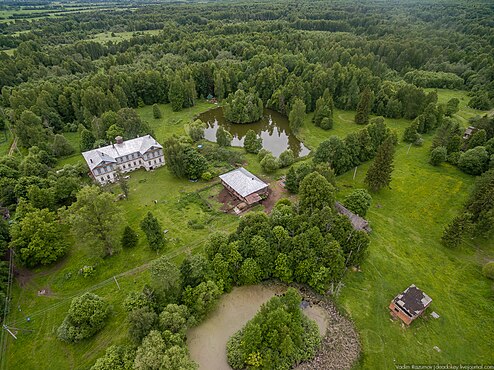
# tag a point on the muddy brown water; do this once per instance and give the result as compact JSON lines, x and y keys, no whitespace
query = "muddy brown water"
{"x":207,"y":342}
{"x":273,"y":128}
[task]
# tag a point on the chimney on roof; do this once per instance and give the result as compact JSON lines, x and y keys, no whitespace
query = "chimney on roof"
{"x":119,"y":139}
{"x":90,"y":160}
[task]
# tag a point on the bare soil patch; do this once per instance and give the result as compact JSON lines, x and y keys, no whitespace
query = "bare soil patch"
{"x":276,"y":192}
{"x":340,"y":348}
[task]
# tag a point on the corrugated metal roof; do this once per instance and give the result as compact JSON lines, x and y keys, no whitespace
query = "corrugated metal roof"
{"x":243,"y":182}
{"x":110,"y":153}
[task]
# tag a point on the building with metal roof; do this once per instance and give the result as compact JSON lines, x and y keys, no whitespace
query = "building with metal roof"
{"x":126,"y":156}
{"x":244,"y":185}
{"x":410,"y":304}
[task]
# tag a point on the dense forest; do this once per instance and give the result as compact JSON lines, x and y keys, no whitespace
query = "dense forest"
{"x":59,"y":76}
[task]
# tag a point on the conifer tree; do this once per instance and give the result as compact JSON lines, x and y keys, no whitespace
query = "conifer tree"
{"x":156,"y":111}
{"x":379,"y":173}
{"x":129,"y":238}
{"x":364,"y":107}
{"x":87,"y":140}
{"x":454,"y":232}
{"x":297,"y":115}
{"x":152,"y":229}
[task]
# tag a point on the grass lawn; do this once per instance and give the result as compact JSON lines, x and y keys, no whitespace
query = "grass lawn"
{"x":105,"y":37}
{"x":171,"y":123}
{"x":405,"y":250}
{"x":465,"y":112}
{"x":407,"y":223}
{"x":5,"y":142}
{"x":173,"y":209}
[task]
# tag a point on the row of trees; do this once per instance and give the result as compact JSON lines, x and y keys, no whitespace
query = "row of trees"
{"x":205,"y":61}
{"x":477,"y":217}
{"x":473,"y":155}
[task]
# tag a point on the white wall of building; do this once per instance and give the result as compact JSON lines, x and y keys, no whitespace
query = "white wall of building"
{"x":128,"y":163}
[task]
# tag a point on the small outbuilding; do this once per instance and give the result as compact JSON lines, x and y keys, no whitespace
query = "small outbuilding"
{"x":410,"y":304}
{"x":245,"y":186}
{"x":358,"y":222}
{"x":469,"y":132}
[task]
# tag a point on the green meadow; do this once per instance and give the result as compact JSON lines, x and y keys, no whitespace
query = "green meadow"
{"x":407,"y":222}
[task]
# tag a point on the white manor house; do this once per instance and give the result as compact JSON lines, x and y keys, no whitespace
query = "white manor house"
{"x":141,"y":152}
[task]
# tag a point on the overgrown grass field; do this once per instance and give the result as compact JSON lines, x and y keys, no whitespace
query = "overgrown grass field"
{"x":407,"y":223}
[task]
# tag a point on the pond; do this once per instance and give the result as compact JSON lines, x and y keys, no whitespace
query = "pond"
{"x":273,"y":128}
{"x":207,"y":342}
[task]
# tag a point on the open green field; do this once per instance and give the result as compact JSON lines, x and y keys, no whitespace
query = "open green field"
{"x":5,"y":141}
{"x":405,"y":250}
{"x":105,"y":37}
{"x":407,"y":222}
{"x":63,"y":282}
{"x":30,"y":14}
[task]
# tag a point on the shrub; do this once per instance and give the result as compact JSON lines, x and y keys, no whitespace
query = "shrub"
{"x":206,"y":176}
{"x":86,"y":271}
{"x":223,"y":137}
{"x":156,"y":111}
{"x":438,"y":156}
{"x":262,"y":153}
{"x":358,"y":201}
{"x":87,"y":315}
{"x":474,"y":161}
{"x":269,"y":163}
{"x":252,"y":143}
{"x":286,"y":158}
{"x":453,"y":158}
{"x":196,"y":130}
{"x":488,"y":270}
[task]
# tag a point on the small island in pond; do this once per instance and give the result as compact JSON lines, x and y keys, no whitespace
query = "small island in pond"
{"x":243,"y":107}
{"x":278,"y":337}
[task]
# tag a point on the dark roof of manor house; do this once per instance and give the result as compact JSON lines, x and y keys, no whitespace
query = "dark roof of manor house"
{"x":413,"y":301}
{"x":358,"y":222}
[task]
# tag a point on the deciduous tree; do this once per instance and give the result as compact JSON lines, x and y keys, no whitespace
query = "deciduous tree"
{"x":95,"y":218}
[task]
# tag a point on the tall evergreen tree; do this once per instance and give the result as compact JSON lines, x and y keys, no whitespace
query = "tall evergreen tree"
{"x":176,"y":93}
{"x":153,"y":231}
{"x":453,"y":234}
{"x":364,"y":107}
{"x":379,"y":173}
{"x":87,"y":140}
{"x":297,"y":115}
{"x":129,"y":238}
{"x":156,"y":111}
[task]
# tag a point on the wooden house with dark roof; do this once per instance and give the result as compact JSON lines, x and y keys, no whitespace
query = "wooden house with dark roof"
{"x":410,"y":304}
{"x":358,"y":222}
{"x":469,"y":132}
